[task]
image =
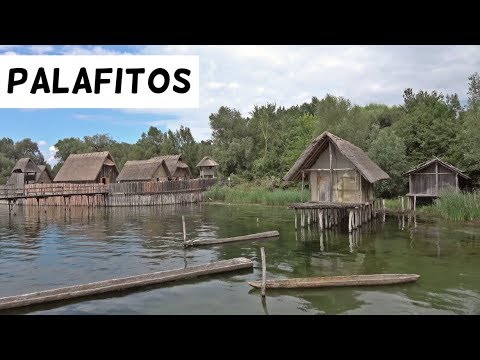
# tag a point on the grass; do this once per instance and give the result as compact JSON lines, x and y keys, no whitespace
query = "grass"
{"x":247,"y":194}
{"x":457,"y":206}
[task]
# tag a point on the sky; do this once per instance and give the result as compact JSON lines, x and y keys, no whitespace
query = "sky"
{"x":242,"y":76}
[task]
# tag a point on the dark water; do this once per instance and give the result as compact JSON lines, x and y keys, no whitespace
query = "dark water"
{"x":41,"y":251}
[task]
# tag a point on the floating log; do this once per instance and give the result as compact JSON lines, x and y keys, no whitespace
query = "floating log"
{"x":119,"y":284}
{"x":330,"y":281}
{"x":258,"y":236}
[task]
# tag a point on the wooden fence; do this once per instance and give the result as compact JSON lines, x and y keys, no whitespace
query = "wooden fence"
{"x":117,"y":194}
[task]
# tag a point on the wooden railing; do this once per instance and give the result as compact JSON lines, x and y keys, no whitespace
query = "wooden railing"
{"x":150,"y":187}
{"x":62,"y":189}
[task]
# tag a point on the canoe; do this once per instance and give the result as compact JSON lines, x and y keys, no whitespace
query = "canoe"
{"x":258,"y":236}
{"x":329,"y":281}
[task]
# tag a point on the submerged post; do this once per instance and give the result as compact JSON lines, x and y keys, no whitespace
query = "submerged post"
{"x":184,"y":231}
{"x":264,"y":270}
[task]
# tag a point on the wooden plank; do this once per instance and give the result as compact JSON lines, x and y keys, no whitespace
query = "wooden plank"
{"x":258,"y":236}
{"x":331,"y":169}
{"x":331,"y":281}
{"x":107,"y":286}
{"x":436,"y":178}
{"x":264,"y":270}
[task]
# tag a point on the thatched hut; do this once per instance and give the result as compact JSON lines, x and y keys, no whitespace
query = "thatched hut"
{"x":144,"y":170}
{"x":337,"y":171}
{"x":177,"y":168}
{"x":207,"y":168}
{"x":430,"y":178}
{"x":97,"y":167}
{"x":43,"y":176}
{"x":24,"y":172}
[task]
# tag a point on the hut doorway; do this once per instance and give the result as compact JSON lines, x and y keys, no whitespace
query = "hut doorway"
{"x":323,"y":187}
{"x":105,"y":180}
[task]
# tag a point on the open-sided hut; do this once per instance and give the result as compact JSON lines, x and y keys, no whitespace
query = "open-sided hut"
{"x":337,"y":171}
{"x":144,"y":170}
{"x":97,"y":167}
{"x":24,"y":172}
{"x":430,"y":178}
{"x":207,"y":167}
{"x":177,"y":168}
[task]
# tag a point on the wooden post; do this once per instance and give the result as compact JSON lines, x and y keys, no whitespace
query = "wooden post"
{"x":410,"y":184}
{"x":295,"y":218}
{"x":331,"y":169}
{"x":456,"y":183}
{"x":436,"y":178}
{"x":264,"y":270}
{"x":184,"y":231}
{"x":403,"y":206}
{"x":308,"y":217}
{"x":320,"y":218}
{"x":415,"y":203}
{"x":350,"y":221}
{"x":303,"y":177}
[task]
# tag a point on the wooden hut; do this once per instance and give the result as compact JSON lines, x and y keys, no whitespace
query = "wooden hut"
{"x":144,"y":170}
{"x":43,"y":176}
{"x":24,"y":172}
{"x":207,"y":168}
{"x":428,"y":179}
{"x":97,"y":167}
{"x":337,"y":171}
{"x":177,"y":168}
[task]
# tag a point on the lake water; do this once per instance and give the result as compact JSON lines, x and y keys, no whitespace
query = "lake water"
{"x":40,"y":251}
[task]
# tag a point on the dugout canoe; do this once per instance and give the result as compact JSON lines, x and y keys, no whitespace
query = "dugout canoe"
{"x":331,"y":281}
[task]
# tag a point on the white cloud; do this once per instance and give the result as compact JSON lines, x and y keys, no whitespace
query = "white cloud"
{"x":41,"y":49}
{"x":41,"y":143}
{"x":244,"y":76}
{"x":91,"y":50}
{"x":9,"y":53}
{"x":50,"y":157}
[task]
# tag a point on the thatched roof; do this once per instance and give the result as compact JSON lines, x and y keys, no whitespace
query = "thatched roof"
{"x":369,"y":170}
{"x":25,"y":165}
{"x":141,"y":170}
{"x":43,"y":168}
{"x":173,"y":162}
{"x":207,"y":161}
{"x":84,"y":167}
{"x":436,"y":159}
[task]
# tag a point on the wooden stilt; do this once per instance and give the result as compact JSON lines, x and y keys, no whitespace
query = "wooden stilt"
{"x":295,"y":219}
{"x":264,"y":270}
{"x":350,"y":221}
{"x":320,"y":219}
{"x":184,"y":231}
{"x":308,"y":217}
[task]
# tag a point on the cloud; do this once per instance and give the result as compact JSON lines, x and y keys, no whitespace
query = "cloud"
{"x":89,"y":50}
{"x":244,"y":76}
{"x":50,"y":157}
{"x":41,"y":143}
{"x":41,"y":49}
{"x":9,"y":53}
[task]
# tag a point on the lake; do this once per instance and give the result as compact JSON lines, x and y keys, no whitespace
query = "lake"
{"x":40,"y":251}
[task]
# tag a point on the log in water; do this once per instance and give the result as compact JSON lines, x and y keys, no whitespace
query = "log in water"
{"x":101,"y":287}
{"x":258,"y":236}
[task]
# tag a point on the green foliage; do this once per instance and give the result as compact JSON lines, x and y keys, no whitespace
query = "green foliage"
{"x":457,"y":206}
{"x":389,"y":152}
{"x":248,"y":194}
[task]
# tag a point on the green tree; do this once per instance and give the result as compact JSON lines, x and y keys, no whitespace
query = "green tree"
{"x":389,"y":152}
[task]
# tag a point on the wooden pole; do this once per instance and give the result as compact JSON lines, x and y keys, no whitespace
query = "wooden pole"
{"x":267,"y":235}
{"x":184,"y":231}
{"x":350,"y":221}
{"x":436,"y":177}
{"x":303,"y":177}
{"x":295,"y":219}
{"x":331,"y":169}
{"x":403,"y":206}
{"x":264,"y":270}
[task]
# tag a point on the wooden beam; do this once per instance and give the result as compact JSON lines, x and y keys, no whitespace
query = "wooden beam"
{"x":456,"y":182}
{"x":410,"y":184}
{"x":436,"y":178}
{"x":334,"y":169}
{"x":108,"y":286}
{"x":264,"y":270}
{"x":303,"y":177}
{"x":257,"y":236}
{"x":331,"y":169}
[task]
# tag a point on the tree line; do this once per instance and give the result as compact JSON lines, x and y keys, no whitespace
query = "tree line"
{"x":267,"y":142}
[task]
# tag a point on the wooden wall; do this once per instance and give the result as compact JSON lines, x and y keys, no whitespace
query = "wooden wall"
{"x":348,"y":184}
{"x":424,"y":181}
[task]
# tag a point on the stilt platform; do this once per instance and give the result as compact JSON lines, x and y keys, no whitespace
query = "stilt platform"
{"x":330,"y":214}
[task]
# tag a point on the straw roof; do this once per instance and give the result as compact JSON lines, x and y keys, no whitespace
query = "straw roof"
{"x":207,"y":161}
{"x":84,"y":167}
{"x":25,"y":165}
{"x":369,"y":170}
{"x":173,"y":162}
{"x":436,"y":159}
{"x":42,"y":168}
{"x":141,"y":170}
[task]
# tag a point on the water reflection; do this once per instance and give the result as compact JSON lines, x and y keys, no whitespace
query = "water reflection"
{"x":41,"y":250}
